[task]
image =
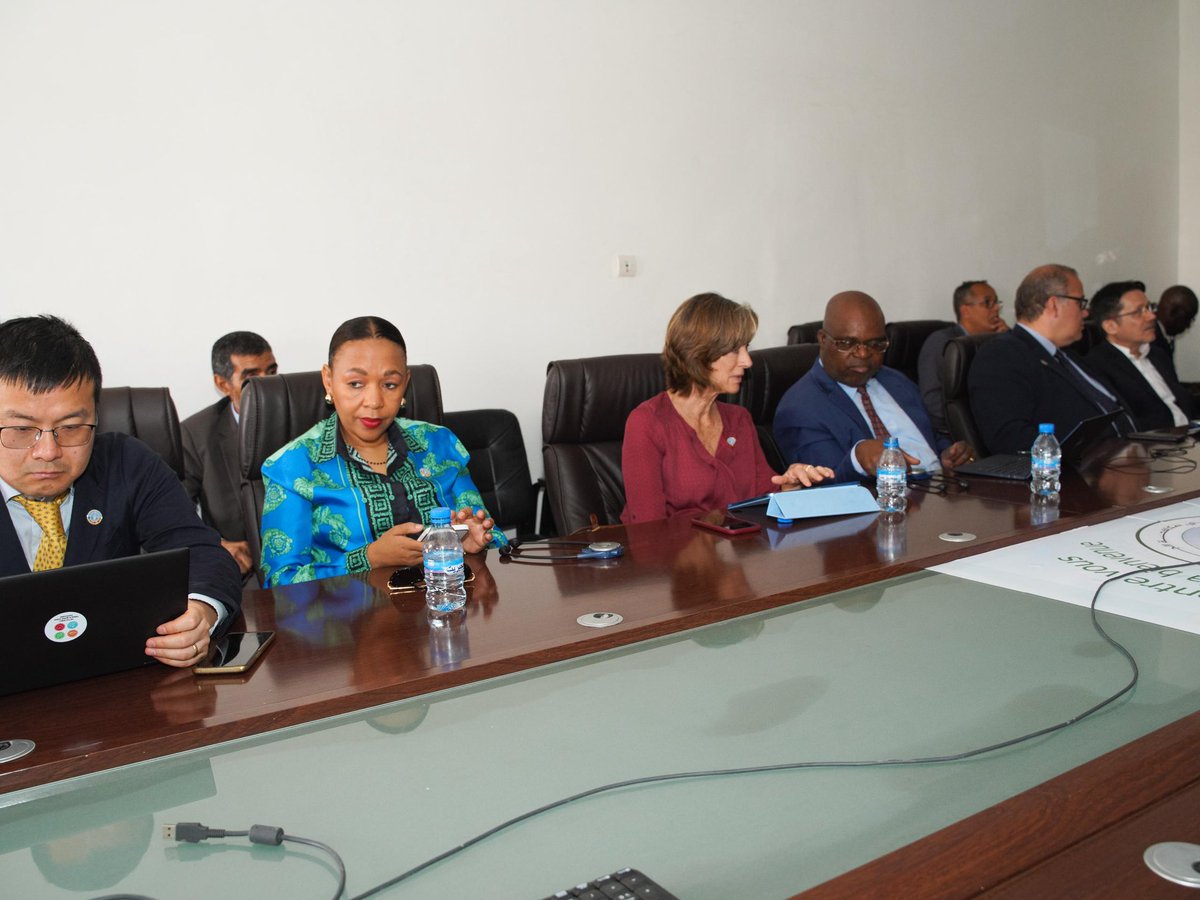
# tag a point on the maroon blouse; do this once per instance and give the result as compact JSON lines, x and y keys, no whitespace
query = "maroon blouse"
{"x":668,"y":472}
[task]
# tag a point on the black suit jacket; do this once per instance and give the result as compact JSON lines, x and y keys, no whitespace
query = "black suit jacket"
{"x":211,"y":468}
{"x":1137,"y":395}
{"x":143,"y":508}
{"x":1163,"y":342}
{"x":1014,"y":386}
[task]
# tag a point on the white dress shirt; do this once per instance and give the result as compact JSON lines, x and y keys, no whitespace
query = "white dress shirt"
{"x":1141,"y":362}
{"x":897,"y":422}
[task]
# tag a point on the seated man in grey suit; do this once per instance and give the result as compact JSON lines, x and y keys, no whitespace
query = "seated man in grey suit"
{"x":1023,"y":378}
{"x":212,"y":471}
{"x":838,"y":414}
{"x":1140,"y":372}
{"x":977,"y":311}
{"x":72,"y":496}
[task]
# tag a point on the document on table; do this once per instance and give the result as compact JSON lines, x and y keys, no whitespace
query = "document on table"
{"x":1070,"y":566}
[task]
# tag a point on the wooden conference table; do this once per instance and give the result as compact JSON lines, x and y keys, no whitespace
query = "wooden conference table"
{"x":349,"y":657}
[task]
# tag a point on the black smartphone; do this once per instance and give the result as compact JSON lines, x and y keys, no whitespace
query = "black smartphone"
{"x":236,"y":652}
{"x":724,"y":523}
{"x":412,"y":578}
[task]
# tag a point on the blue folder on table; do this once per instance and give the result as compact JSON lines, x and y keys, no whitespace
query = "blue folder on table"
{"x":834,"y":500}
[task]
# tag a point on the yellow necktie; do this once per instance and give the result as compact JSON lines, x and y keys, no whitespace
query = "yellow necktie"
{"x":48,"y":515}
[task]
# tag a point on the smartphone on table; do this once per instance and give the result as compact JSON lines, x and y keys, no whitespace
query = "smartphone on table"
{"x":236,"y":652}
{"x":723,"y":523}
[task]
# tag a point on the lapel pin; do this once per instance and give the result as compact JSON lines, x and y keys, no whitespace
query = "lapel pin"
{"x":731,"y":440}
{"x":95,"y":517}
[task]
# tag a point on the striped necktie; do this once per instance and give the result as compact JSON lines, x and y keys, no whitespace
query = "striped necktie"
{"x":876,"y":423}
{"x":48,"y":515}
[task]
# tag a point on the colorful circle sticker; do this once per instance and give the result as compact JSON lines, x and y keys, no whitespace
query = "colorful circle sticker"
{"x":65,"y":627}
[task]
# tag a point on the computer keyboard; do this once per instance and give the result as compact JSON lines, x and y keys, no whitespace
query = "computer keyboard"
{"x":627,"y":884}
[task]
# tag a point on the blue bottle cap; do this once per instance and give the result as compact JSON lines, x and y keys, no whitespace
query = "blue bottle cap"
{"x":1046,"y":428}
{"x":890,"y":443}
{"x":439,"y":515}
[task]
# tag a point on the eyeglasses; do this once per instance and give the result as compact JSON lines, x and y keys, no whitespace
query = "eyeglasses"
{"x":990,"y":303}
{"x":22,"y":437}
{"x":1082,"y":301}
{"x":853,"y":345}
{"x":1140,"y":311}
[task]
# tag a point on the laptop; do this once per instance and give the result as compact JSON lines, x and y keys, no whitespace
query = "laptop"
{"x":1015,"y":466}
{"x":91,"y":619}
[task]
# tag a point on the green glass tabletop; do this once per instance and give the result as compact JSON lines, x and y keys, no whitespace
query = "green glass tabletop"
{"x":924,"y":665}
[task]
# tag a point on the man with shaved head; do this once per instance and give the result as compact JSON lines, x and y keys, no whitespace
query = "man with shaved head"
{"x":1023,"y":378}
{"x":1177,"y":308}
{"x":838,"y":414}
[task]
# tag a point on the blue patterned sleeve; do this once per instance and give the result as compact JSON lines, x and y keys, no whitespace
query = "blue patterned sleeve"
{"x":287,"y":520}
{"x":460,"y":488}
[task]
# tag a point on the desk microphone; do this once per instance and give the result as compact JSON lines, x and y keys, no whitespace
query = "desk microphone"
{"x":1175,"y":861}
{"x":15,"y":749}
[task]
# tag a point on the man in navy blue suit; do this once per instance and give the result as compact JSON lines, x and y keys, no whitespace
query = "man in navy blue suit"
{"x":838,"y":414}
{"x":72,"y":496}
{"x":1024,"y":377}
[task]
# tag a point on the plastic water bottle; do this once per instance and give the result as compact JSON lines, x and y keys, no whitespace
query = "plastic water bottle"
{"x":443,"y":557}
{"x":891,"y":476}
{"x":1045,"y":465}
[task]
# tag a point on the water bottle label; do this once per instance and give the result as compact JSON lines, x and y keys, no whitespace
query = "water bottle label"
{"x":444,"y":566}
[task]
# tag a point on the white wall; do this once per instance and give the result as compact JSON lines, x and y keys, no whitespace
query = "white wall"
{"x":1187,"y":352}
{"x":170,"y":171}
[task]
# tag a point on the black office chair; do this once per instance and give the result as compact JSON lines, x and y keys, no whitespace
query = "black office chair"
{"x":956,"y":366}
{"x":146,"y":413}
{"x":584,"y":410}
{"x":804,"y":334}
{"x":1092,"y":335}
{"x":775,"y":370}
{"x":278,"y":408}
{"x":905,"y":340}
{"x":498,"y":466}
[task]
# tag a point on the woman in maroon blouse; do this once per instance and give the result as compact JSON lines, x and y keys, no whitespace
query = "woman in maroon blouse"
{"x":685,"y":452}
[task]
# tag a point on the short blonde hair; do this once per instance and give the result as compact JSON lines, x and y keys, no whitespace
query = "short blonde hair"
{"x":701,"y":331}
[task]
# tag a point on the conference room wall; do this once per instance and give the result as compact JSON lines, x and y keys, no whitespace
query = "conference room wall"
{"x":170,"y":171}
{"x":1187,"y":354}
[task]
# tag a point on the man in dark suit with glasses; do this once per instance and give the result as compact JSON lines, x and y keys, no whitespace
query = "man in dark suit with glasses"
{"x":1023,"y":377}
{"x":1142,"y":373}
{"x":72,"y":496}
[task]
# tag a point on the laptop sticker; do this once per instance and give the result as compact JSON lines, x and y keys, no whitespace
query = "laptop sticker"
{"x":65,"y":627}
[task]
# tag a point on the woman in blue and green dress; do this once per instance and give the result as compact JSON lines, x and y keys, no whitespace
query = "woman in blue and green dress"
{"x":354,"y":492}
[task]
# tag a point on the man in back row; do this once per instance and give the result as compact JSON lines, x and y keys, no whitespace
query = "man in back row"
{"x":977,"y":311}
{"x":1177,"y":308}
{"x":1022,"y":378}
{"x":838,"y":414}
{"x":211,"y":461}
{"x":72,"y":496}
